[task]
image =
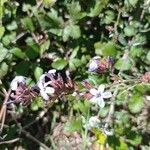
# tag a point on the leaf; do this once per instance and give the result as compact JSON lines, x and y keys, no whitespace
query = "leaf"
{"x":71,"y":31}
{"x":123,"y":64}
{"x":23,"y":68}
{"x":18,"y":52}
{"x":12,"y":26}
{"x":105,"y":49}
{"x":2,"y":30}
{"x":28,"y":24}
{"x":136,"y":103}
{"x":44,"y":47}
{"x":74,"y":9}
{"x":148,"y":57}
{"x":98,"y":7}
{"x":37,"y":103}
{"x":73,"y":125}
{"x":8,"y":38}
{"x":129,"y":31}
{"x":134,"y":138}
{"x":59,"y":64}
{"x":3,"y":53}
{"x":3,"y":69}
{"x":38,"y":72}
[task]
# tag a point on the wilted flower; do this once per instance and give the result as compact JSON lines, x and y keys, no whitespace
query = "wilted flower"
{"x":99,"y":95}
{"x":16,"y":81}
{"x":23,"y":94}
{"x":146,"y":77}
{"x":99,"y":65}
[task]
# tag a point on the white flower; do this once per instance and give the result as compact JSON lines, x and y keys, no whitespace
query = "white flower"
{"x":45,"y":89}
{"x":99,"y":95}
{"x":53,"y":71}
{"x":108,"y":132}
{"x":18,"y":79}
{"x":93,"y":122}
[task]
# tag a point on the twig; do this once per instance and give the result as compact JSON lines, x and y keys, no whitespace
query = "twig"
{"x":10,"y":141}
{"x":4,"y":108}
{"x":112,"y":108}
{"x":28,"y":135}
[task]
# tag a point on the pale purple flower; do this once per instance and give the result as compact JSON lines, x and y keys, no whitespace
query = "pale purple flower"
{"x":99,"y":95}
{"x":15,"y":82}
{"x":93,"y":64}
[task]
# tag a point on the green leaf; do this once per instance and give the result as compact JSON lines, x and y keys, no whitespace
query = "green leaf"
{"x":44,"y":46}
{"x":110,"y":16}
{"x":18,"y":52}
{"x":12,"y":26}
{"x":148,"y":57}
{"x":71,"y":31}
{"x":135,"y":52}
{"x":2,"y":30}
{"x":8,"y":38}
{"x":98,"y":7}
{"x":28,"y":24}
{"x":38,"y":72}
{"x":74,"y":9}
{"x":134,"y":138}
{"x":129,"y":31}
{"x":136,"y":103}
{"x":23,"y":68}
{"x":59,"y":64}
{"x":123,"y":64}
{"x":105,"y":49}
{"x":73,"y":125}
{"x":3,"y":69}
{"x":37,"y":103}
{"x":3,"y":53}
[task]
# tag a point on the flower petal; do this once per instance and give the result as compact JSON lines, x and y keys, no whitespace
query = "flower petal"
{"x":44,"y":95}
{"x":94,"y":100}
{"x":52,"y":71}
{"x":49,"y":90}
{"x":106,"y":94}
{"x":93,"y":92}
{"x":101,"y":102}
{"x":101,"y":88}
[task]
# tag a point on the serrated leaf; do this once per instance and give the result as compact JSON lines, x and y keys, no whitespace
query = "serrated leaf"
{"x":129,"y":31}
{"x":136,"y":103}
{"x":59,"y":64}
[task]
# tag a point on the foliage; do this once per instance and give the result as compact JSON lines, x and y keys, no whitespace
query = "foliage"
{"x":36,"y":36}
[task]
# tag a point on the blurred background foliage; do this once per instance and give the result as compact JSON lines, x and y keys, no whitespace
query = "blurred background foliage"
{"x":36,"y":36}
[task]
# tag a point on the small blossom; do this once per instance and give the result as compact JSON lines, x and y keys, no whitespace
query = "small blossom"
{"x":99,"y":95}
{"x":16,"y":81}
{"x":99,"y":65}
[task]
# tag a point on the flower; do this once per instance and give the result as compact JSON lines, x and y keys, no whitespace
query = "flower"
{"x":16,"y":81}
{"x":45,"y":88}
{"x":93,"y":66}
{"x":101,"y":65}
{"x":99,"y":95}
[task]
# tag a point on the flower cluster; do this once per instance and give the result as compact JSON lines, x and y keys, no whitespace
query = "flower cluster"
{"x":50,"y":86}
